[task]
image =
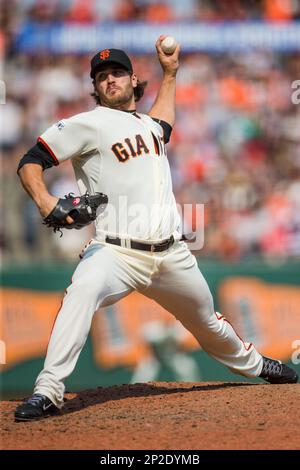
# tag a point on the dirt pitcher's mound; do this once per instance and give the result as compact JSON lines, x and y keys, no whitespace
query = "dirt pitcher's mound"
{"x":165,"y":416}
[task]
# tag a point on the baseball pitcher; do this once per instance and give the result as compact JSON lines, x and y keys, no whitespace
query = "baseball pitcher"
{"x":123,"y":175}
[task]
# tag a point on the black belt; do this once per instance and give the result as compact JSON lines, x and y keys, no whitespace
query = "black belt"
{"x":162,"y":246}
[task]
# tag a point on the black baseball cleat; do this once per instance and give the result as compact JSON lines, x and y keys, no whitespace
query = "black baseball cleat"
{"x":36,"y":407}
{"x":275,"y":372}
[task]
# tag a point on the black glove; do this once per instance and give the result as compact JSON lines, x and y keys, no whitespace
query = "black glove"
{"x":83,"y":210}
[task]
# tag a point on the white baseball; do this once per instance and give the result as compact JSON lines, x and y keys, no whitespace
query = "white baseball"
{"x":168,"y":45}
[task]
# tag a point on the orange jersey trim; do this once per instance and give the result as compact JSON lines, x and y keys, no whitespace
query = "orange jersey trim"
{"x":49,"y":150}
{"x":221,"y":317}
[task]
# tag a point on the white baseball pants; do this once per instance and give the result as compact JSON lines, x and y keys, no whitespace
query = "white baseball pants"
{"x":172,"y":278}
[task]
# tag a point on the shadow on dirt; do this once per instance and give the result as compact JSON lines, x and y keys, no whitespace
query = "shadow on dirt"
{"x":101,"y":395}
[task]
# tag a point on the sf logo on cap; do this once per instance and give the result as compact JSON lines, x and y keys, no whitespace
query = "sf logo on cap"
{"x":104,"y":54}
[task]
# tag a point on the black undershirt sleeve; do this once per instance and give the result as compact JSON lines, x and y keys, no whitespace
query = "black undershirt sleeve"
{"x":166,"y":128}
{"x":39,"y":155}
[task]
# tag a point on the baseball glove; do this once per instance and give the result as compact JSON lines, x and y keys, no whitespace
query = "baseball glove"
{"x":83,"y":210}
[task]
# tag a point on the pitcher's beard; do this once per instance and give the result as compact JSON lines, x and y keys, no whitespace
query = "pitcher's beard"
{"x":119,"y":100}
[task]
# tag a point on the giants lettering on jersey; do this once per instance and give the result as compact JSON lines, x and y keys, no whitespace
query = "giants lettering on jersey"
{"x":123,"y":151}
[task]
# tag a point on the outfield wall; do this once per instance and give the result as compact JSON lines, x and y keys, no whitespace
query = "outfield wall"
{"x":136,"y":340}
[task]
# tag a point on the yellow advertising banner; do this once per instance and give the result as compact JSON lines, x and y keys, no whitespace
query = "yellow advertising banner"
{"x":119,"y":332}
{"x":266,"y":314}
{"x":124,"y":333}
{"x":26,"y":322}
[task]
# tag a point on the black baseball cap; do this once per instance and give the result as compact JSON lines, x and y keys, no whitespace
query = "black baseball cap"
{"x":109,"y":56}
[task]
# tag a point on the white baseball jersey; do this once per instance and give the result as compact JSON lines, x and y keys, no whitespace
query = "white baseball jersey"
{"x":121,"y":154}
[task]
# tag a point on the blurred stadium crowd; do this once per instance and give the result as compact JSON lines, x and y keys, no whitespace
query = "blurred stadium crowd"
{"x":88,"y":11}
{"x":235,"y":146}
